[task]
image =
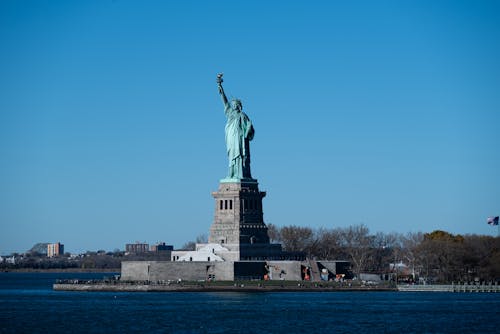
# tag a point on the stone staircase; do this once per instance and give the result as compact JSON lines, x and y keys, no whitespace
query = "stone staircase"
{"x":315,"y":274}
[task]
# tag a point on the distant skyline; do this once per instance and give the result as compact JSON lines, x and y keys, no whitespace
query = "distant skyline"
{"x":383,"y":113}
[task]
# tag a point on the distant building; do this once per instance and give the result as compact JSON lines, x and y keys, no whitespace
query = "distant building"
{"x":56,"y":249}
{"x":137,"y":248}
{"x":161,"y":247}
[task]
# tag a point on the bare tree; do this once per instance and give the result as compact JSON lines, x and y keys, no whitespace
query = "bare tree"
{"x":202,"y":239}
{"x":409,"y":252}
{"x":358,"y":245}
{"x":274,"y":233}
{"x":385,"y":250}
{"x":189,"y":246}
{"x":442,"y":254}
{"x":296,"y":238}
{"x":329,"y":244}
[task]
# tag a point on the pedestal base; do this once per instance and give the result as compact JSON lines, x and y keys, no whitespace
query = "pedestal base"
{"x":238,"y":218}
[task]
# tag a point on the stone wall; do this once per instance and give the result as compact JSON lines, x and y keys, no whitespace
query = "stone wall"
{"x":285,"y":270}
{"x":201,"y":271}
{"x":173,"y":271}
{"x":224,"y":271}
{"x":135,"y":270}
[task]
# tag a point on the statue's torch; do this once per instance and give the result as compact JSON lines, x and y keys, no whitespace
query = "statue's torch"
{"x":219,"y":78}
{"x":219,"y":82}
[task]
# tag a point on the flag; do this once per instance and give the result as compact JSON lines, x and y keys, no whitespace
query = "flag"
{"x":493,"y":220}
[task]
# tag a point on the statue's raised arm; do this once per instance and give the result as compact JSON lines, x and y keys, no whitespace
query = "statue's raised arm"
{"x":221,"y":90}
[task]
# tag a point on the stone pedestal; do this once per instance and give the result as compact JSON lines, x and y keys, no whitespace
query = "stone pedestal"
{"x":238,"y":221}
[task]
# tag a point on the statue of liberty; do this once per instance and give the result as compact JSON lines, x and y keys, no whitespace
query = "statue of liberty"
{"x":239,"y":133}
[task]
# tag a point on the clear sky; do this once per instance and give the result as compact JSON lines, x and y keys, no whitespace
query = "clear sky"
{"x":385,"y":113}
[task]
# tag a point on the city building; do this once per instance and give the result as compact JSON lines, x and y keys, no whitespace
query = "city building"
{"x":138,"y":247}
{"x":161,"y":247}
{"x":56,"y":249}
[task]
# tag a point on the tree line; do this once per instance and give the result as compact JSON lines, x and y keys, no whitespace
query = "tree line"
{"x":90,"y":260}
{"x":438,"y":256}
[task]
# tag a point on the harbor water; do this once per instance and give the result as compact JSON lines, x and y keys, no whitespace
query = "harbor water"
{"x":29,"y":305}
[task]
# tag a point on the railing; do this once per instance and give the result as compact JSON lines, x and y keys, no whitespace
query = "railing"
{"x":450,"y":288}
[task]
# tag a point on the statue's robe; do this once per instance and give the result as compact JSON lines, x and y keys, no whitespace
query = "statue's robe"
{"x":239,"y":131}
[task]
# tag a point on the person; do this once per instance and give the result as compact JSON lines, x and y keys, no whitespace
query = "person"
{"x":239,"y":132}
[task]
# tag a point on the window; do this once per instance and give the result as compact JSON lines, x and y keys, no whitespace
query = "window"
{"x":230,"y":204}
{"x":221,"y":205}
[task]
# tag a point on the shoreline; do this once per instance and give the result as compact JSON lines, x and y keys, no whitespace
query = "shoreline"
{"x":262,"y":287}
{"x":100,"y":287}
{"x":60,"y":270}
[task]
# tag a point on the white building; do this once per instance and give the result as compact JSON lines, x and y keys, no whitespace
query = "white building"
{"x":203,"y":252}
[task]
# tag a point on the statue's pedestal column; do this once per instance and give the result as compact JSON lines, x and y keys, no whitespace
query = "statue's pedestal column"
{"x":238,"y":220}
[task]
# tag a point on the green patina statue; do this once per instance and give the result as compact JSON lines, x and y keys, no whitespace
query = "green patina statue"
{"x":239,"y":133}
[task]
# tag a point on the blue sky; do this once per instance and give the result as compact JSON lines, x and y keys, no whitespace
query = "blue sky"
{"x":385,"y":113}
